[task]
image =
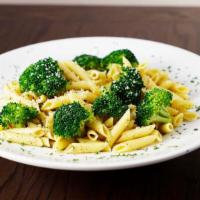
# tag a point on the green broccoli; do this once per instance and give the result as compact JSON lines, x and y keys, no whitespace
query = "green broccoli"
{"x":117,"y":57}
{"x":129,"y":85}
{"x":89,"y":62}
{"x":43,"y":77}
{"x":152,"y":108}
{"x":15,"y":115}
{"x":69,"y":120}
{"x":109,"y":105}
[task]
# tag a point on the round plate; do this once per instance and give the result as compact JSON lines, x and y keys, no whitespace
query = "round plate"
{"x":182,"y":65}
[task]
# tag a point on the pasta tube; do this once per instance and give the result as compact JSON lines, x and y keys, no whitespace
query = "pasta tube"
{"x":99,"y":127}
{"x":92,"y":135}
{"x":88,"y":147}
{"x":138,"y":143}
{"x":166,"y":128}
{"x":21,"y":138}
{"x":136,"y":133}
{"x":119,"y":127}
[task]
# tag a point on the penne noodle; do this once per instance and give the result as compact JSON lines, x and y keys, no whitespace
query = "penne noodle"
{"x":138,"y":143}
{"x":21,"y":138}
{"x":88,"y":147}
{"x":97,"y":75}
{"x":36,"y":131}
{"x":33,"y":125}
{"x":181,"y":104}
{"x":29,"y":95}
{"x":132,"y":111}
{"x":136,"y":133}
{"x":119,"y":127}
{"x":42,"y":117}
{"x":131,"y":125}
{"x":61,"y":143}
{"x":92,"y":135}
{"x":82,"y":74}
{"x":189,"y":116}
{"x":78,"y":85}
{"x":109,"y":122}
{"x":179,"y":88}
{"x":172,"y":111}
{"x":52,"y":104}
{"x":148,"y":82}
{"x":114,"y":71}
{"x":41,"y":99}
{"x":49,"y":124}
{"x":83,"y":85}
{"x":13,"y":87}
{"x":79,"y":71}
{"x":178,"y":120}
{"x":167,"y":84}
{"x":70,"y":75}
{"x":46,"y":142}
{"x":20,"y":99}
{"x":99,"y":127}
{"x":84,"y":140}
{"x":166,"y":128}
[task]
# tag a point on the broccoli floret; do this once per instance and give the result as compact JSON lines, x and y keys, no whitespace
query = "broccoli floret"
{"x":129,"y":85}
{"x":89,"y":62}
{"x":43,"y":77}
{"x":69,"y":120}
{"x":109,"y":105}
{"x":152,"y":108}
{"x":15,"y":115}
{"x":117,"y":57}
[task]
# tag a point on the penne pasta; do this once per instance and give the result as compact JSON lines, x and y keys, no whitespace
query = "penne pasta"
{"x":70,"y":75}
{"x":99,"y":127}
{"x":189,"y":116}
{"x":138,"y":143}
{"x":136,"y":133}
{"x":88,"y":147}
{"x":36,"y":131}
{"x":114,"y":71}
{"x":166,"y":128}
{"x":46,"y":142}
{"x":61,"y":143}
{"x":21,"y":138}
{"x":52,"y":104}
{"x":109,"y":122}
{"x":177,"y":120}
{"x":92,"y":135}
{"x":49,"y":125}
{"x":119,"y":127}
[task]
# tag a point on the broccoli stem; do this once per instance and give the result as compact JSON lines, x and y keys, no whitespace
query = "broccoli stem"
{"x":164,"y":113}
{"x":162,"y":117}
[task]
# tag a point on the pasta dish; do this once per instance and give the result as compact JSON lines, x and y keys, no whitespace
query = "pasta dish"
{"x":92,"y":104}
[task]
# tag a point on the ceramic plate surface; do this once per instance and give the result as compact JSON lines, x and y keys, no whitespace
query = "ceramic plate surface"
{"x":182,"y":65}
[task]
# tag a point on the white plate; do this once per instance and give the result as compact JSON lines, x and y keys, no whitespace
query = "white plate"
{"x":183,"y":66}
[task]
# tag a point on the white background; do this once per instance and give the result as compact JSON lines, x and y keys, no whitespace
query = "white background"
{"x":107,"y":2}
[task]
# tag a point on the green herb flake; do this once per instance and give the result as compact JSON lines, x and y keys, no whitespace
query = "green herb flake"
{"x":198,"y":108}
{"x":75,"y":160}
{"x":156,"y":147}
{"x":22,"y":149}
